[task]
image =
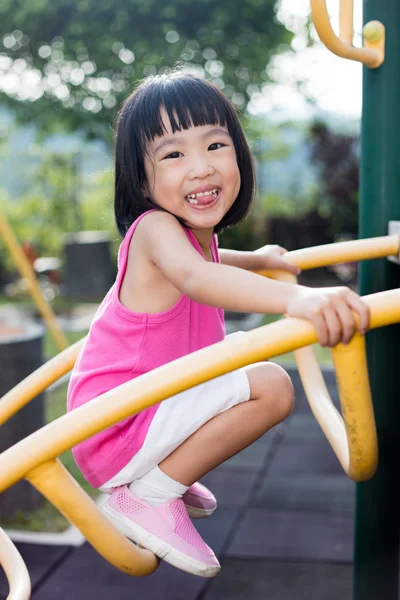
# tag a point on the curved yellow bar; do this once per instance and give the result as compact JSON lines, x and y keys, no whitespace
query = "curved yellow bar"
{"x":308,"y":258}
{"x":35,"y":457}
{"x":161,"y":383}
{"x":352,"y":436}
{"x":372,"y":55}
{"x":355,"y":398}
{"x":355,"y":447}
{"x":353,"y":439}
{"x":38,"y":381}
{"x":26,"y":271}
{"x":331,"y":254}
{"x":346,"y":30}
{"x":59,"y":487}
{"x":15,"y":569}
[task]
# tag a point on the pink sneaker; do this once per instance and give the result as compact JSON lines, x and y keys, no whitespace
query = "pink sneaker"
{"x":166,"y":530}
{"x":199,"y":501}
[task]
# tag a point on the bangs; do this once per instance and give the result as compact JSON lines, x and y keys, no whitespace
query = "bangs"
{"x":187,"y":104}
{"x":188,"y":101}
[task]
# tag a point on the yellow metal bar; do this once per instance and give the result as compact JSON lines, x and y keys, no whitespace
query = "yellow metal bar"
{"x":57,"y":485}
{"x":38,"y":381}
{"x":26,"y":271}
{"x":308,"y":258}
{"x":172,"y":378}
{"x":15,"y":569}
{"x":322,"y":407}
{"x":357,"y":410}
{"x":346,"y":30}
{"x":330,"y":254}
{"x":353,"y":436}
{"x":372,"y":55}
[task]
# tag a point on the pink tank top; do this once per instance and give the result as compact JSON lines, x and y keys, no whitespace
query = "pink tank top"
{"x":122,"y":345}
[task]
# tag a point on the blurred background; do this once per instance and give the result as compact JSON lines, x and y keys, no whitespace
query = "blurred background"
{"x":65,"y":67}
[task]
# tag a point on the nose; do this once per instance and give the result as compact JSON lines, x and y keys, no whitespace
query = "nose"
{"x":201,"y":167}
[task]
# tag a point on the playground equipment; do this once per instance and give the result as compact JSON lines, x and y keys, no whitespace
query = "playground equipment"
{"x":352,"y":437}
{"x":378,"y":515}
{"x":371,"y":55}
{"x":26,"y":270}
{"x":377,"y":521}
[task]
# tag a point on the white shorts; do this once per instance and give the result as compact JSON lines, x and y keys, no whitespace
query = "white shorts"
{"x":178,"y":417}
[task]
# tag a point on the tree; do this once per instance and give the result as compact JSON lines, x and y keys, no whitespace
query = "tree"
{"x":337,"y":157}
{"x":69,"y":64}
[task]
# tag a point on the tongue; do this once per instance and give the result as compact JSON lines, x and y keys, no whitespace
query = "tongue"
{"x":205,"y":199}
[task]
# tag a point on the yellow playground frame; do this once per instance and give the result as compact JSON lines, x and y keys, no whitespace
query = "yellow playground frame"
{"x":352,"y":434}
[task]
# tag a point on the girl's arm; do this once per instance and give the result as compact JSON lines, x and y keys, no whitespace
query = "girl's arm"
{"x":240,"y":259}
{"x":268,"y":257}
{"x":224,"y":286}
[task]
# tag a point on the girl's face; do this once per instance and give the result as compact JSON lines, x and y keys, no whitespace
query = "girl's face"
{"x":193,"y":174}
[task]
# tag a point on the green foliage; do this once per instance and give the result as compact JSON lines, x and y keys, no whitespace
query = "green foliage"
{"x":274,"y":204}
{"x":242,"y":237}
{"x":53,"y":207}
{"x":84,"y":57}
{"x":264,"y":138}
{"x":97,"y":202}
{"x":57,"y":179}
{"x":336,"y":155}
{"x":30,"y":218}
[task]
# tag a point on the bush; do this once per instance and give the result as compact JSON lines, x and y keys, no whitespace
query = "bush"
{"x":45,"y":214}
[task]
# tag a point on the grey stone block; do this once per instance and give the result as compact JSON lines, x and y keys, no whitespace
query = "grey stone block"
{"x":89,"y":269}
{"x":20,"y":355}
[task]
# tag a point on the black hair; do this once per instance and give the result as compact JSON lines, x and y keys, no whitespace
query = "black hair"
{"x":189,"y":101}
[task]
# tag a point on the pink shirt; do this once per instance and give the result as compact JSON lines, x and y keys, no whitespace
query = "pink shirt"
{"x":122,"y":345}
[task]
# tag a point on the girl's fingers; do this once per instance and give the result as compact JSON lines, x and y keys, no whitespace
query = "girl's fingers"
{"x":279,"y":263}
{"x":333,"y":325}
{"x":321,"y":329}
{"x":347,"y":320}
{"x":360,"y":307}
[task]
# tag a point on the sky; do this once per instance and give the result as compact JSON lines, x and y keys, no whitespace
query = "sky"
{"x":333,"y":82}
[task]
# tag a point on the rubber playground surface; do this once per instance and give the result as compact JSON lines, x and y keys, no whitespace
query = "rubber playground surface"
{"x":283,"y":530}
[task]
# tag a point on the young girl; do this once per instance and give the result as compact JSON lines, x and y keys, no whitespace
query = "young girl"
{"x":183,"y":173}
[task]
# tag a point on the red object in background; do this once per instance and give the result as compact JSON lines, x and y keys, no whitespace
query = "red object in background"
{"x":30,"y":252}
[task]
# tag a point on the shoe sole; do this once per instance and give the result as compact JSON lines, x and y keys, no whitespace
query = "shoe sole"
{"x":161,"y":549}
{"x":199,"y":513}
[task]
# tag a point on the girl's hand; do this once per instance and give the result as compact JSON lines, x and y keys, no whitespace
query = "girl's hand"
{"x":331,"y":312}
{"x":272,"y":255}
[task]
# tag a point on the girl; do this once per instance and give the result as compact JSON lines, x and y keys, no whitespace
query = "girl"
{"x":183,"y":172}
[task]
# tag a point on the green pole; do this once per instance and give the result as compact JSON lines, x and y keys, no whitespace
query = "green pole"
{"x":377,"y":522}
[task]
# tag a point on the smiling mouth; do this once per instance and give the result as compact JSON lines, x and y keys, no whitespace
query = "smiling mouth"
{"x":203,"y":197}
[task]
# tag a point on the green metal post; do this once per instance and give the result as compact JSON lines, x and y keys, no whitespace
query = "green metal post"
{"x":377,"y":523}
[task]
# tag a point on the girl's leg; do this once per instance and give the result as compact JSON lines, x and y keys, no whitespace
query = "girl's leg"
{"x":271,"y":401}
{"x":165,"y":528}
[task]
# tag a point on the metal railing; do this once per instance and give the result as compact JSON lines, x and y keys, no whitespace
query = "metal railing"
{"x":352,"y":434}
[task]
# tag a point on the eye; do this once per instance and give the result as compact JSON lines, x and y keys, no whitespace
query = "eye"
{"x":172,"y":155}
{"x":213,"y":146}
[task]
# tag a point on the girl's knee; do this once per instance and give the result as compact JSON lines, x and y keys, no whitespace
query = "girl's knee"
{"x":286,"y":399}
{"x":271,"y":384}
